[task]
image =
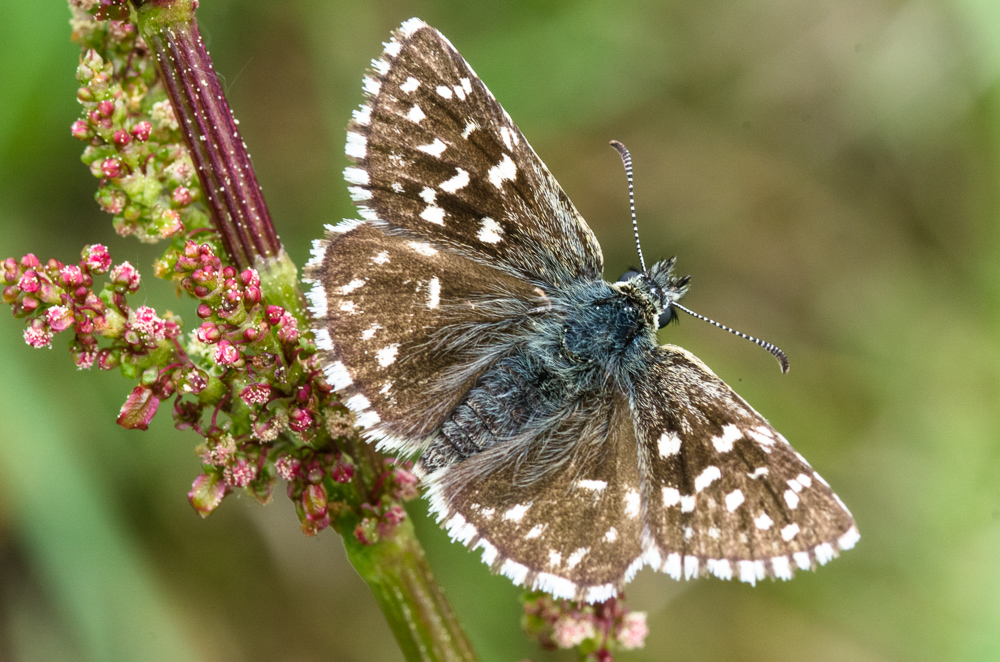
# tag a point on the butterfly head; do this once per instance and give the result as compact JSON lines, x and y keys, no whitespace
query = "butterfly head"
{"x":659,"y":286}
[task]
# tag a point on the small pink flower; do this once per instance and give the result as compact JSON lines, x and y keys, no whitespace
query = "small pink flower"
{"x":314,"y":501}
{"x":256,"y":394}
{"x":342,"y":472}
{"x":170,"y":222}
{"x":127,"y":275}
{"x":226,"y":353}
{"x":300,"y":420}
{"x":112,"y":168}
{"x":181,"y":196}
{"x":106,"y":107}
{"x":80,"y":130}
{"x":59,"y":318}
{"x":633,"y":630}
{"x":84,"y":358}
{"x":70,"y":276}
{"x":570,"y":631}
{"x":240,"y":474}
{"x":141,"y":131}
{"x":394,"y":515}
{"x":145,"y":322}
{"x":28,"y":281}
{"x":406,"y":484}
{"x":97,"y":258}
{"x":121,"y":138}
{"x":37,"y":335}
{"x":287,"y":466}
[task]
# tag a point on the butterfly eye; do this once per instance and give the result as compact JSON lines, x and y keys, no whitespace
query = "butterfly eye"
{"x":666,"y":317}
{"x":628,"y":275}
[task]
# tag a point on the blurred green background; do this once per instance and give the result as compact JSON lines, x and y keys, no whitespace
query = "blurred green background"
{"x":826,"y":170}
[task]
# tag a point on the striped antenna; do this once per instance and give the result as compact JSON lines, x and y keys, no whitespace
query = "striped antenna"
{"x":627,"y":160}
{"x":777,"y":353}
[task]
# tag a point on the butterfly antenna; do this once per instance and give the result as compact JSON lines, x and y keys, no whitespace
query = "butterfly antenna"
{"x":777,"y":353}
{"x":627,"y":160}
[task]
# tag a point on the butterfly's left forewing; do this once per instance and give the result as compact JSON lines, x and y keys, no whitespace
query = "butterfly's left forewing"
{"x":724,"y":493}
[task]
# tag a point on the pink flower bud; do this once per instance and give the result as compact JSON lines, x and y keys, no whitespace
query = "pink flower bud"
{"x":106,"y":107}
{"x":112,"y":168}
{"x":204,"y":310}
{"x":274,"y":314}
{"x":81,"y":130}
{"x":84,"y":357}
{"x":252,"y":297}
{"x":141,"y":131}
{"x":59,"y":318}
{"x":139,"y":408}
{"x":29,"y":304}
{"x":37,"y":335}
{"x":208,"y":333}
{"x":97,"y":258}
{"x":300,"y":420}
{"x":28,"y":281}
{"x":367,"y":531}
{"x":633,"y":630}
{"x":570,"y":631}
{"x":121,"y":138}
{"x":226,"y":353}
{"x":71,"y":276}
{"x":127,"y":275}
{"x":206,"y":493}
{"x":314,"y":501}
{"x":169,"y":222}
{"x":29,"y":261}
{"x":108,"y":359}
{"x":342,"y":472}
{"x":181,"y":196}
{"x":405,"y":485}
{"x":394,"y":515}
{"x":256,"y":394}
{"x":250,"y":277}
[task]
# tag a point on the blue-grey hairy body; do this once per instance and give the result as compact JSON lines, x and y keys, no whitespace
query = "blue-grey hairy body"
{"x":466,"y":322}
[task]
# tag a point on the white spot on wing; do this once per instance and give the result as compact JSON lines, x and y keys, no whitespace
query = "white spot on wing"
{"x":596,"y":485}
{"x":422,"y":247}
{"x":632,"y":503}
{"x":672,"y":566}
{"x":392,"y":48}
{"x":669,"y":444}
{"x":410,"y":85}
{"x":733,"y":500}
{"x":356,"y":176}
{"x":516,"y":513}
{"x":721,"y":568}
{"x":410,"y":26}
{"x":456,"y":182}
{"x":781,"y":567}
{"x":849,"y":539}
{"x":503,"y":171}
{"x":555,"y":558}
{"x":435,"y":149}
{"x":363,"y":115}
{"x":370,"y":86}
{"x":792,"y":499}
{"x":611,"y":535}
{"x":802,"y":560}
{"x":559,"y":587}
{"x":671,"y":497}
{"x":517,"y":572}
{"x":536,"y":531}
{"x":444,"y":91}
{"x":415,"y":114}
{"x":707,"y":477}
{"x":433,"y":292}
{"x":369,"y":333}
{"x":490,"y":231}
{"x":758,"y":472}
{"x":336,"y":373}
{"x":357,"y":145}
{"x":763,"y":522}
{"x":730,"y":435}
{"x":387,"y":355}
{"x":433,"y":215}
{"x":690,"y":567}
{"x":789,"y":532}
{"x":469,"y":128}
{"x":824,"y":553}
{"x":350,"y":287}
{"x":575,"y":558}
{"x":687,"y":503}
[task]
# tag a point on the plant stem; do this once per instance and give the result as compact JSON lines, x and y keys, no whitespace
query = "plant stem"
{"x":395,"y":567}
{"x":217,"y":149}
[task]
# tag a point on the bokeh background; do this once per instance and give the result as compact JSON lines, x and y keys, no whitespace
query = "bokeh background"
{"x":827,"y":171}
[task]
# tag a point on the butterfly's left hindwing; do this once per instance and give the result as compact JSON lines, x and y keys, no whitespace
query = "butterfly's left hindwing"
{"x":724,"y":492}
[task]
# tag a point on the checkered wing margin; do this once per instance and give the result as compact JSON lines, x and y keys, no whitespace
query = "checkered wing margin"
{"x":724,"y":493}
{"x":438,"y":157}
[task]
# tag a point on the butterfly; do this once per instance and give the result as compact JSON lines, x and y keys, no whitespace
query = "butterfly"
{"x":465,"y":320}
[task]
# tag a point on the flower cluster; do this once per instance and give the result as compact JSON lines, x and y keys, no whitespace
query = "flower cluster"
{"x":147,"y":180}
{"x":596,"y":631}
